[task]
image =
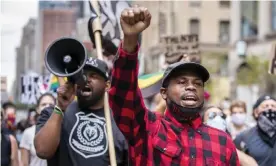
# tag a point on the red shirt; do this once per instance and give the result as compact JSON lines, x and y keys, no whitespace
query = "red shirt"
{"x":161,"y":140}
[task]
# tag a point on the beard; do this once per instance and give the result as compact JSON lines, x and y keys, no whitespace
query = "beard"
{"x":84,"y":102}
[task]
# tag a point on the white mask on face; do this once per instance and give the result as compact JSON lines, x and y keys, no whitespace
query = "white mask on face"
{"x":238,"y":119}
{"x":217,"y":122}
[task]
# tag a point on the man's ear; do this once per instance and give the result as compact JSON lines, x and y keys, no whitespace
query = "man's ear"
{"x":255,"y":113}
{"x":107,"y":85}
{"x":163,"y":92}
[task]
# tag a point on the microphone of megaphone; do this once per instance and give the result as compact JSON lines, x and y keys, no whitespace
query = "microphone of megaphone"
{"x":66,"y":57}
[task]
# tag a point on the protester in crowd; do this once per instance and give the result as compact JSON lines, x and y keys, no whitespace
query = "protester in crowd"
{"x":179,"y":137}
{"x":9,"y":123}
{"x":31,"y":117}
{"x":214,"y":117}
{"x":20,"y":127}
{"x":238,"y":122}
{"x":9,"y":148}
{"x":28,"y":152}
{"x":225,"y":105}
{"x":74,"y":132}
{"x":259,"y":142}
{"x":25,"y":123}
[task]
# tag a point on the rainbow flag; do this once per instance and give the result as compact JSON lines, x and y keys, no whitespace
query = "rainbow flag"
{"x":53,"y":83}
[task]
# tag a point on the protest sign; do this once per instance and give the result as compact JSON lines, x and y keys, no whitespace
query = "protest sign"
{"x":32,"y":86}
{"x":177,"y":46}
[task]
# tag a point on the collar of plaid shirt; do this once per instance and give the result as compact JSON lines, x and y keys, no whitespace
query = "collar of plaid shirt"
{"x":156,"y":140}
{"x":194,"y":123}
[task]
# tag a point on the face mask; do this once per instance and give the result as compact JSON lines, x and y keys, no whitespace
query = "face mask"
{"x":267,"y":122}
{"x":238,"y":119}
{"x":19,"y":136}
{"x":11,"y":119}
{"x":184,"y":114}
{"x":217,"y":122}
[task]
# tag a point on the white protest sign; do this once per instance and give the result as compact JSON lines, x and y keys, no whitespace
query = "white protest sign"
{"x":32,"y":87}
{"x":178,"y":45}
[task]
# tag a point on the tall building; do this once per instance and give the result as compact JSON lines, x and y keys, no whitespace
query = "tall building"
{"x":253,"y":22}
{"x":26,"y":58}
{"x":56,"y":19}
{"x":210,"y":20}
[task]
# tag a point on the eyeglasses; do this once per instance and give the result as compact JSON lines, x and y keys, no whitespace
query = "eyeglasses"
{"x":212,"y":115}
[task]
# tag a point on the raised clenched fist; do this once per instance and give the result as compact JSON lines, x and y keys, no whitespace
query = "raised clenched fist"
{"x":135,"y":20}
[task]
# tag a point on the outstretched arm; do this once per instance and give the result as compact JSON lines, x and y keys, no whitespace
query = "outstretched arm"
{"x":125,"y":98}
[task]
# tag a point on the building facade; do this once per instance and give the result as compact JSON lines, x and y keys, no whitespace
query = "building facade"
{"x":56,"y":19}
{"x":4,"y":89}
{"x":255,"y":24}
{"x":210,"y":20}
{"x":26,"y":56}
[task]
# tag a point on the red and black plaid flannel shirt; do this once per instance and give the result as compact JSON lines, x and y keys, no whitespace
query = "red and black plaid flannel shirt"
{"x":156,"y":140}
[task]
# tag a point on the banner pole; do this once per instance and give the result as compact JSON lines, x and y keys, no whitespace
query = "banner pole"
{"x":97,"y":27}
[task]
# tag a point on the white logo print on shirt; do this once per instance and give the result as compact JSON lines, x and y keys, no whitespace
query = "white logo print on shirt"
{"x":88,"y":136}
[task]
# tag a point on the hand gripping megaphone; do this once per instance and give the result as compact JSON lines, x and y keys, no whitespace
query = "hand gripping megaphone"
{"x":66,"y":57}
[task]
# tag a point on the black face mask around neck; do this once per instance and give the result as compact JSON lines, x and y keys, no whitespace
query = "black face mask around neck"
{"x":183,"y":114}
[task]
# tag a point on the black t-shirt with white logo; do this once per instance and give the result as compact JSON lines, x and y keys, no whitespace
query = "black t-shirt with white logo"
{"x":83,"y":139}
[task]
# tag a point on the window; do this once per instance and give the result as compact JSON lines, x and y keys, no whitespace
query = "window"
{"x":194,"y":3}
{"x":224,"y":28}
{"x":162,"y":24}
{"x":249,"y":18}
{"x":273,"y":15}
{"x":194,"y":26}
{"x":173,"y":22}
{"x":224,"y":4}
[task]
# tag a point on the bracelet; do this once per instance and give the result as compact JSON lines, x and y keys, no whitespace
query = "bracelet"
{"x":57,"y":110}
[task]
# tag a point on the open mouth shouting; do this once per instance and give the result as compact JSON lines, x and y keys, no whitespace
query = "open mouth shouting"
{"x":86,"y":91}
{"x":189,"y":99}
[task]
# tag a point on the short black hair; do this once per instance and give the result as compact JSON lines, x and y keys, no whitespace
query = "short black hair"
{"x":8,"y":104}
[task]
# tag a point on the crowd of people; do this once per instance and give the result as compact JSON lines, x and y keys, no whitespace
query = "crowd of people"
{"x":180,"y":129}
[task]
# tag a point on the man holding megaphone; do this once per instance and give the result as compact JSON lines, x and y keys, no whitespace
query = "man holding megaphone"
{"x":73,"y":133}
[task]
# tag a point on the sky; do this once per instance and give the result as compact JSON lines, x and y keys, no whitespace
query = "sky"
{"x":14,"y":15}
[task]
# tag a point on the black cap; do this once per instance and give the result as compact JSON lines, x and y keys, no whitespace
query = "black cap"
{"x":262,"y":99}
{"x":201,"y":71}
{"x":98,"y":65}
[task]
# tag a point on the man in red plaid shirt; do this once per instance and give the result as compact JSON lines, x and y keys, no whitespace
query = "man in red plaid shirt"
{"x":178,"y":138}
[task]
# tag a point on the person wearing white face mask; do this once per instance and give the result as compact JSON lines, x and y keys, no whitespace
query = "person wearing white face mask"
{"x":237,"y":123}
{"x":213,"y":116}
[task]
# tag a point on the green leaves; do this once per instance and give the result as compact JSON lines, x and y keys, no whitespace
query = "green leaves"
{"x":252,"y":71}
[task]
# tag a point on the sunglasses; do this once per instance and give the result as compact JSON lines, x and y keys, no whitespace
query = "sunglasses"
{"x":212,"y":115}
